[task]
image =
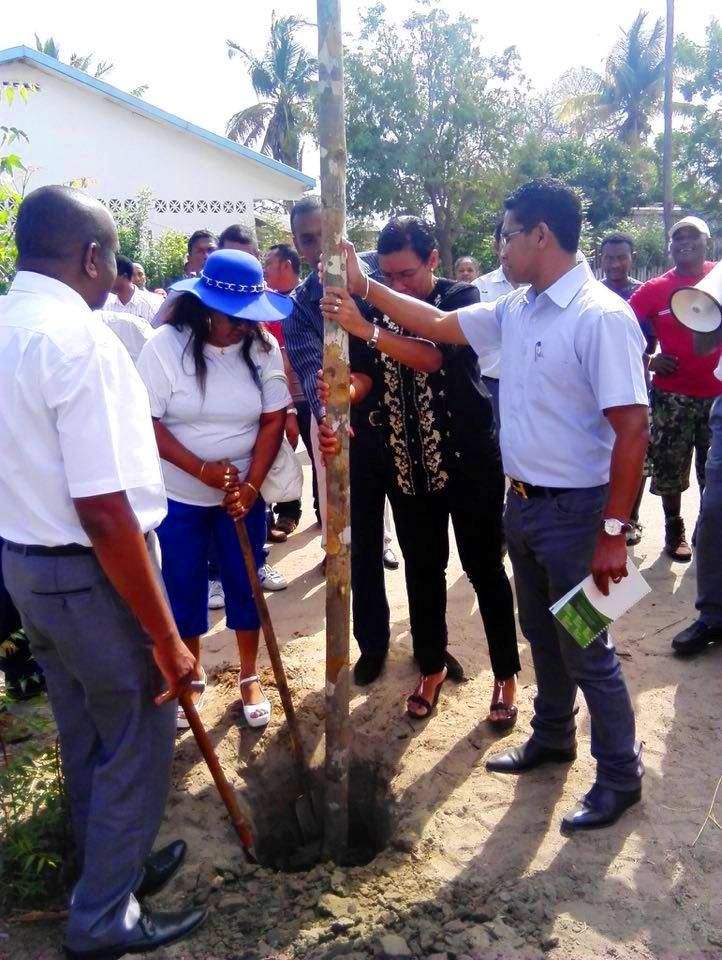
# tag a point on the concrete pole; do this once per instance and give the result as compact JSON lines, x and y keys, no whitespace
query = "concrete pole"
{"x":668,"y":97}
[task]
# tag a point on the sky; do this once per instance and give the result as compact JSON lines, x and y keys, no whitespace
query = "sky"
{"x":179,"y":49}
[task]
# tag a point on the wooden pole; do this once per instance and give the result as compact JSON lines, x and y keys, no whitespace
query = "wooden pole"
{"x":668,"y":98}
{"x":332,"y":142}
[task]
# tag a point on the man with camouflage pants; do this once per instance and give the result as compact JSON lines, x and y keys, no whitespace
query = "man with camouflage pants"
{"x":684,"y":385}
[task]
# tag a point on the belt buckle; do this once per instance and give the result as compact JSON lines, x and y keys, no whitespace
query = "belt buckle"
{"x":519,"y":488}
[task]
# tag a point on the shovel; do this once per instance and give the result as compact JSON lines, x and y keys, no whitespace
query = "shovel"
{"x":219,"y":777}
{"x":305,"y":814}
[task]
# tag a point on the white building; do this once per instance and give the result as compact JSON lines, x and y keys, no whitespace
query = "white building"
{"x":83,"y":129}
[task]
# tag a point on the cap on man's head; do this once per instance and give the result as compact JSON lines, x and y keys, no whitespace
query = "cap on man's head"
{"x":695,"y":222}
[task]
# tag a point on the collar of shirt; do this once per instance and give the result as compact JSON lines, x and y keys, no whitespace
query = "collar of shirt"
{"x":565,"y":289}
{"x":27,"y":281}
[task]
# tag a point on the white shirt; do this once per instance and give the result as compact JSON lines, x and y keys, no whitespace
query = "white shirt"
{"x":491,"y":286}
{"x":224,"y":423}
{"x":143,"y":304}
{"x":567,"y":355}
{"x":131,"y":331}
{"x":74,"y":417}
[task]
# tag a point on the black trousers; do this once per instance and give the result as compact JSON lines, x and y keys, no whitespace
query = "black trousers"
{"x":292,"y":509}
{"x":475,"y":506}
{"x":369,"y":485}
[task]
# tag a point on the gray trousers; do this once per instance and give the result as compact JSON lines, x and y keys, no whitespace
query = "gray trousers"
{"x":117,"y":746}
{"x":551,"y":543}
{"x":709,"y":529}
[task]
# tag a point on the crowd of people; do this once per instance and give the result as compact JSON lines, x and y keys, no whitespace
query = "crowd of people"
{"x":137,"y":427}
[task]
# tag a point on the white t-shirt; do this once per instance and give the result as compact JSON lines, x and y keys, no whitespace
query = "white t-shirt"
{"x":74,"y":417}
{"x":130,"y":330}
{"x":223,"y":423}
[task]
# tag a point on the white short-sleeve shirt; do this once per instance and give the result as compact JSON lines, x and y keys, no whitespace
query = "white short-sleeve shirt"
{"x":143,"y":304}
{"x":221,"y":423}
{"x":491,"y":286}
{"x":567,"y":354}
{"x":130,"y":330}
{"x":74,"y":417}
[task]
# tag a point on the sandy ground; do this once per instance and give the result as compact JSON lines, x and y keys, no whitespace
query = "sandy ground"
{"x":475,"y":866}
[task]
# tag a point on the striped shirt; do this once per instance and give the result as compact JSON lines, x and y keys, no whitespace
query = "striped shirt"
{"x":303,"y":331}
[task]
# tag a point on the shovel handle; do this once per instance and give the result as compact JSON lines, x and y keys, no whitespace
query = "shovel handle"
{"x":224,"y":788}
{"x":272,"y":643}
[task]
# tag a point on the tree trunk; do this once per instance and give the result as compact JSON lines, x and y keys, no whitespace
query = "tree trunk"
{"x":668,"y":96}
{"x":332,"y":142}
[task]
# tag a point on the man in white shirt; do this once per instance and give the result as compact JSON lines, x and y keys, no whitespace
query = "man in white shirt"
{"x":492,"y":286}
{"x":130,"y":330}
{"x":573,"y":439}
{"x":81,"y":492}
{"x":127,"y":298}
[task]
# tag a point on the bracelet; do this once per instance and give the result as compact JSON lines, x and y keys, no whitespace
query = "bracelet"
{"x":247,"y":483}
{"x":368,"y":287}
{"x":374,"y":338}
{"x":203,"y":466}
{"x":291,"y":410}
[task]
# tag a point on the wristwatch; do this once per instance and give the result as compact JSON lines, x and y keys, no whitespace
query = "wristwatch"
{"x":374,"y":338}
{"x":613,"y":528}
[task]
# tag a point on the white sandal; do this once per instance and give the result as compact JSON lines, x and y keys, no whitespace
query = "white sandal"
{"x":182,"y":720}
{"x":256,"y":714}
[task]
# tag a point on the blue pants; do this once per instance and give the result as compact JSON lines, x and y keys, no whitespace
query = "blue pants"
{"x":185,"y":538}
{"x":709,"y":529}
{"x":116,"y":744}
{"x":551,"y":543}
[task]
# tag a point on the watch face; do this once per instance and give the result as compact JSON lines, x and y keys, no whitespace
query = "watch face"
{"x":613,"y":527}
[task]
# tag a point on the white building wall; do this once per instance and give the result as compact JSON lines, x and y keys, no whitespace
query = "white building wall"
{"x":77,"y":133}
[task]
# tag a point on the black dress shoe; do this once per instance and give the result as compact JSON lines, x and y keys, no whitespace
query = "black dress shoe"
{"x":695,"y":638}
{"x":600,"y":808}
{"x":154,"y":930}
{"x":368,"y":668}
{"x":454,"y":670}
{"x":529,"y":755}
{"x":160,"y":867}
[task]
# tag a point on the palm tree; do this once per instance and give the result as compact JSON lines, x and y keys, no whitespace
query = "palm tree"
{"x":282,"y":80}
{"x":624,"y":99}
{"x":83,"y":62}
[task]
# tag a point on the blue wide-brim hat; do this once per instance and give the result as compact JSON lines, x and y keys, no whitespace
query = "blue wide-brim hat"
{"x":232,"y":283}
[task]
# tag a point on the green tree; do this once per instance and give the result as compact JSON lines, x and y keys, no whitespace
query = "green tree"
{"x":431,"y":119}
{"x":283,"y":81}
{"x":625,"y":98}
{"x":698,"y":153}
{"x":84,"y":62}
{"x":10,"y":196}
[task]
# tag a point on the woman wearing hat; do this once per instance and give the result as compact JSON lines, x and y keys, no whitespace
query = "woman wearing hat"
{"x":218,"y":396}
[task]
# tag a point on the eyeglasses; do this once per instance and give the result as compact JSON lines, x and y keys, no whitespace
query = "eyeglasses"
{"x":506,"y":237}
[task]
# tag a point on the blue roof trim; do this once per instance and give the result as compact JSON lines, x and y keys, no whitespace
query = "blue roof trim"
{"x":149,"y":111}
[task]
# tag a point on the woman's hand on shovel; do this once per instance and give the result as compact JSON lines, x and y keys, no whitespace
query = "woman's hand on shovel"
{"x":239,"y":502}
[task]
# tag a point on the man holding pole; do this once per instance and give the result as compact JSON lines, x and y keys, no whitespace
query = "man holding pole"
{"x":80,"y":495}
{"x":574,"y":434}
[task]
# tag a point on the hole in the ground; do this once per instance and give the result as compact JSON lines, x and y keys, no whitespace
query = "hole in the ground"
{"x":283,"y":832}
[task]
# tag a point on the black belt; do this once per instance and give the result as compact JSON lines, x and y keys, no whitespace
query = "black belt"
{"x":527,"y":490}
{"x":35,"y":550}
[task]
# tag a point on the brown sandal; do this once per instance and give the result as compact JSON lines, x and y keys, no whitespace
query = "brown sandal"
{"x":511,"y":710}
{"x":423,"y":702}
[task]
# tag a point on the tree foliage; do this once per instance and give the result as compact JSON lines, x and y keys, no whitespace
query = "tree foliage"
{"x":623,"y":100}
{"x":431,"y":118}
{"x":282,"y":79}
{"x":698,"y":149}
{"x":83,"y":61}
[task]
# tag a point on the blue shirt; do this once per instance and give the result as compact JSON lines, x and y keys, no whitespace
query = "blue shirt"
{"x":567,"y":354}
